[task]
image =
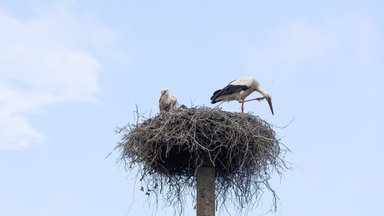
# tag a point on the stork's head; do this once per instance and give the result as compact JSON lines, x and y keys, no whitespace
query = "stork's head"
{"x":164,"y":91}
{"x":269,"y":99}
{"x":266,"y":96}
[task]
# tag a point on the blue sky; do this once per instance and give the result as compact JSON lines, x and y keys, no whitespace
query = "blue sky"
{"x":73,"y":71}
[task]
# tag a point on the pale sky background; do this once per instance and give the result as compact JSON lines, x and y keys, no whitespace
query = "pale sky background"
{"x":72,"y":71}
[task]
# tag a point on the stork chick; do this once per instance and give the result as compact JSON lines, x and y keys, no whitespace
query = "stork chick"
{"x":166,"y":102}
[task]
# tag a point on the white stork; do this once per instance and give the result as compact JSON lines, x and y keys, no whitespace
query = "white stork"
{"x":166,"y":102}
{"x":238,"y":90}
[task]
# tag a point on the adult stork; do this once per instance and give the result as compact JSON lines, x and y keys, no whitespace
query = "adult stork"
{"x":238,"y":90}
{"x":166,"y":102}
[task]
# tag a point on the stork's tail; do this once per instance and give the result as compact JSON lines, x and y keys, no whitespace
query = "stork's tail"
{"x":215,"y":95}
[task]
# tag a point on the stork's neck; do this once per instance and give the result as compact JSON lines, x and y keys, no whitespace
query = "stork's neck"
{"x":264,"y":93}
{"x":166,"y":95}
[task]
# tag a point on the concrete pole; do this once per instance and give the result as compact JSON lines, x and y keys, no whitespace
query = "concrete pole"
{"x":205,"y":203}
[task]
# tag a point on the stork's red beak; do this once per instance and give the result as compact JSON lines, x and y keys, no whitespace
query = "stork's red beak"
{"x":270,"y":104}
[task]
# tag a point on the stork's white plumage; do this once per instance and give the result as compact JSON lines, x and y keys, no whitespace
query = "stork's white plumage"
{"x":166,"y":102}
{"x":238,"y":90}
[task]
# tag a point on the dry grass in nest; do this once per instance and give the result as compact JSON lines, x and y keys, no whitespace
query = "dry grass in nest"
{"x":169,"y":147}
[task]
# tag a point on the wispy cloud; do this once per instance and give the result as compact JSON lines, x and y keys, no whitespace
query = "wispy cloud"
{"x":42,"y":63}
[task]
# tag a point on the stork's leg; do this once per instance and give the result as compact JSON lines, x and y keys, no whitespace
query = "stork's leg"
{"x":258,"y":99}
{"x":242,"y":101}
{"x":242,"y":106}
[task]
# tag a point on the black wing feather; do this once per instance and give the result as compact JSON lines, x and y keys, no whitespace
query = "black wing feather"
{"x":227,"y":90}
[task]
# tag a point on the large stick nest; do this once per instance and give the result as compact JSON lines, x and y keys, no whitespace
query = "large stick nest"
{"x":171,"y":146}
